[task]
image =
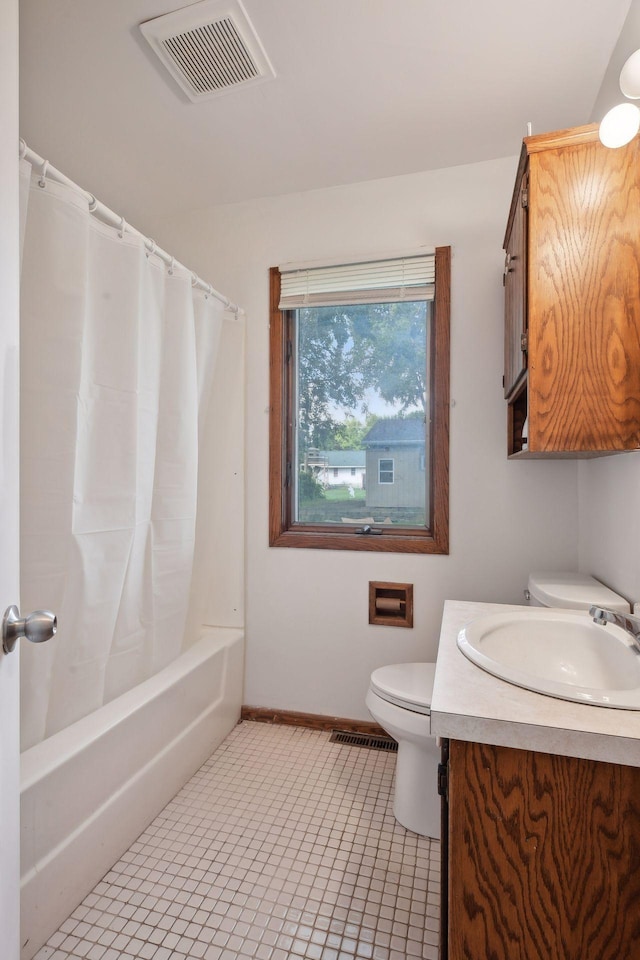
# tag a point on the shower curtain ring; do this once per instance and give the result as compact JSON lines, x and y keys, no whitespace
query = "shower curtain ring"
{"x":173,"y":260}
{"x":22,"y":152}
{"x":122,"y":226}
{"x":151,"y":247}
{"x":93,"y":203}
{"x":43,"y":173}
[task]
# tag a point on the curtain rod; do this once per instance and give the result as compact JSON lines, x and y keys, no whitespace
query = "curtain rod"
{"x":106,"y":215}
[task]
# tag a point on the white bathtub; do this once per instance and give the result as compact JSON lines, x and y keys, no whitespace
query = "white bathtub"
{"x":90,"y":790}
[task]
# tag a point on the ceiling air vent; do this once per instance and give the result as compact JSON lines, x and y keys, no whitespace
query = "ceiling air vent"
{"x":209,"y":48}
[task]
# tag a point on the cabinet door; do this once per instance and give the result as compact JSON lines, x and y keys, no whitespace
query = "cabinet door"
{"x":515,"y":294}
{"x":443,"y":790}
{"x":544,"y":856}
{"x":584,"y":298}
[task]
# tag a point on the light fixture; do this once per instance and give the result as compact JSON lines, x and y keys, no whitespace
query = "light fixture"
{"x":630,"y":77}
{"x":620,"y":125}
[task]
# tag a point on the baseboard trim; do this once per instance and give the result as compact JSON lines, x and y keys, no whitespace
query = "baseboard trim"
{"x":313,"y":721}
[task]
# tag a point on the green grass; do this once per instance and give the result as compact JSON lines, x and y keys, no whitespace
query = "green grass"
{"x":332,"y":510}
{"x":341,"y":495}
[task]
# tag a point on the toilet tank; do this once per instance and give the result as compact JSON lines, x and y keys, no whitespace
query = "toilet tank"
{"x":572,"y":591}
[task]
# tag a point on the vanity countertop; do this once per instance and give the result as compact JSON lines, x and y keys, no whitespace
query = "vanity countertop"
{"x":470,"y":704}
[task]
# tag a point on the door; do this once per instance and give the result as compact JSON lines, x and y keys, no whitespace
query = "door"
{"x":9,"y":505}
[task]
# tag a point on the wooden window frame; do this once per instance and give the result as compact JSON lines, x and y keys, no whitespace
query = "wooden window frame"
{"x":283,"y":532}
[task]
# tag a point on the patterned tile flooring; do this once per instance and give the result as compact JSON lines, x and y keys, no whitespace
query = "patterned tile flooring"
{"x":283,"y":845}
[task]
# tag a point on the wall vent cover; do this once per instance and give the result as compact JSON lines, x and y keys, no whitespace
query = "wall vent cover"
{"x":209,"y":48}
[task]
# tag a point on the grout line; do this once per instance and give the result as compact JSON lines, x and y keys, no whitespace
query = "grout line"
{"x":283,"y":846}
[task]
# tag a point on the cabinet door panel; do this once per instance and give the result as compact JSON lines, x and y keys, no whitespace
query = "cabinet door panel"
{"x":544,"y":856}
{"x":584,"y":298}
{"x":515,"y":296}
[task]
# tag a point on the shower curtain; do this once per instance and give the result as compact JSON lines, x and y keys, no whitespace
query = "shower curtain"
{"x":118,"y":353}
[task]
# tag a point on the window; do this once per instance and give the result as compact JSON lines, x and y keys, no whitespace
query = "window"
{"x":385,"y":471}
{"x":359,"y":360}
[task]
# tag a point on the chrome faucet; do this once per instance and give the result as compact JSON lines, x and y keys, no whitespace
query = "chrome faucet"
{"x":631,"y":624}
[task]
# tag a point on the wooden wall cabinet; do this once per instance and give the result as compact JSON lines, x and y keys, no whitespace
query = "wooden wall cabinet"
{"x":572,"y":297}
{"x":543,"y":856}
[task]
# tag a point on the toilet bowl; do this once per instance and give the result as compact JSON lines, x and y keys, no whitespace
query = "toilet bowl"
{"x":399,"y":699}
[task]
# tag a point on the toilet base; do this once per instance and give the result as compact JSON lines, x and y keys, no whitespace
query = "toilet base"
{"x":416,"y":804}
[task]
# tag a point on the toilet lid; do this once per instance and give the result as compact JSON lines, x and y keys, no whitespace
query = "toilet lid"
{"x":408,"y":685}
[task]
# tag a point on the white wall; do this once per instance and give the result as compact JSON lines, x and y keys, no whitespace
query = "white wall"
{"x":310,"y":647}
{"x":217,"y":592}
{"x":609,"y":511}
{"x":628,"y":41}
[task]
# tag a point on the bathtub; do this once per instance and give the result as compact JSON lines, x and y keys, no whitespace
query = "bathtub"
{"x":90,"y":790}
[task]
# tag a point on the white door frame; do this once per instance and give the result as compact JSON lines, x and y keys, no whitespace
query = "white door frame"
{"x":9,"y":502}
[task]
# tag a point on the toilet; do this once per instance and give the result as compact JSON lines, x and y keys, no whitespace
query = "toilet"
{"x":571,"y":591}
{"x":399,"y":699}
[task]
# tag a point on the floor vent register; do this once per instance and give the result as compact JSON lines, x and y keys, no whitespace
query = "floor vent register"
{"x":363,"y":740}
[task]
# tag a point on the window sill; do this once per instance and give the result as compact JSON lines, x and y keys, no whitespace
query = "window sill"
{"x":387,"y":542}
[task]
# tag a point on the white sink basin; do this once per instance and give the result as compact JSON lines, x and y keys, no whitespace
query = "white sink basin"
{"x":559,"y":653}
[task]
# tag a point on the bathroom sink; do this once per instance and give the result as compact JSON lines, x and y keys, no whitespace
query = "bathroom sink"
{"x":558,"y":653}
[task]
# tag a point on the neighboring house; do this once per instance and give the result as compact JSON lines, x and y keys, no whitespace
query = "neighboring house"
{"x":395,"y":462}
{"x":343,"y":467}
{"x":335,"y":468}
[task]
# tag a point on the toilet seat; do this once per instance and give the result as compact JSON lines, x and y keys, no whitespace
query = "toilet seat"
{"x":407,"y":685}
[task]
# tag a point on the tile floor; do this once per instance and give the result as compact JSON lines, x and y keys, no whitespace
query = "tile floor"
{"x":283,"y":845}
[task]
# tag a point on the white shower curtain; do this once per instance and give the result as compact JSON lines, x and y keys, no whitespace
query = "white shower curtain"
{"x":117,"y":358}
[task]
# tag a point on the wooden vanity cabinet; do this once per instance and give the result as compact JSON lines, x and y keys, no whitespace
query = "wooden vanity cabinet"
{"x":543,"y":858}
{"x":572,"y":297}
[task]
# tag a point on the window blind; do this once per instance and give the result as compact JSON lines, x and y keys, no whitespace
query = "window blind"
{"x":375,"y":281}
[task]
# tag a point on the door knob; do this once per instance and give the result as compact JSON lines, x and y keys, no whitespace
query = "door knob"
{"x":39,"y":626}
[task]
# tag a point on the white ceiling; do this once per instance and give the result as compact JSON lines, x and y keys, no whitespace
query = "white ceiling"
{"x":364,"y":89}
